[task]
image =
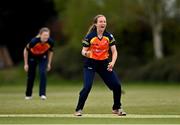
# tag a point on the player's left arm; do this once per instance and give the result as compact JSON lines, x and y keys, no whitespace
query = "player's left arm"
{"x":114,"y":54}
{"x":50,"y":56}
{"x":114,"y":58}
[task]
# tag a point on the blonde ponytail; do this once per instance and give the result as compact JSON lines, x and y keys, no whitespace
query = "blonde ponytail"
{"x":91,"y":28}
{"x":38,"y":35}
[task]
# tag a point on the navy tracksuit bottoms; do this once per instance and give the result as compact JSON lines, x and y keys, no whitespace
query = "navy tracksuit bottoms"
{"x":33,"y":62}
{"x":110,"y":79}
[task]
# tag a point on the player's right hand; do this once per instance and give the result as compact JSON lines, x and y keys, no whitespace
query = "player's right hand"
{"x":26,"y":67}
{"x":88,"y":54}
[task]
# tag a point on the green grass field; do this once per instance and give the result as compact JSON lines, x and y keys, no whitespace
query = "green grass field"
{"x":145,"y":104}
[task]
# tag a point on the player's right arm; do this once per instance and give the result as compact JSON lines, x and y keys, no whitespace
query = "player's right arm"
{"x":86,"y":44}
{"x":85,"y":52}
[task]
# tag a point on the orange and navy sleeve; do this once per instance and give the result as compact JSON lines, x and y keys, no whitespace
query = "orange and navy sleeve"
{"x":31,"y":44}
{"x":111,"y":40}
{"x":51,"y":43}
{"x":86,"y":41}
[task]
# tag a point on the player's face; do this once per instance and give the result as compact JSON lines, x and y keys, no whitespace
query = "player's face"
{"x":101,"y":23}
{"x":44,"y":36}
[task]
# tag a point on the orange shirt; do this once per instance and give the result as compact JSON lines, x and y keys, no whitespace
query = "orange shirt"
{"x":40,"y":48}
{"x":37,"y":48}
{"x":99,"y":48}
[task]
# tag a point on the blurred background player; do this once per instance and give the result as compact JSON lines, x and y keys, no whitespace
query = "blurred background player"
{"x":95,"y":49}
{"x":38,"y":52}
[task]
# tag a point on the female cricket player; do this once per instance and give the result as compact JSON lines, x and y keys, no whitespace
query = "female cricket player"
{"x":95,"y":49}
{"x":38,"y":52}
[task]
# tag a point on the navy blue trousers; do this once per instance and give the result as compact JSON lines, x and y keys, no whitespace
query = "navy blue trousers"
{"x":33,"y":62}
{"x":110,"y":79}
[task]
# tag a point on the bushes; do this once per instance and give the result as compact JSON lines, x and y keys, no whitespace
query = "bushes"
{"x":68,"y":62}
{"x":160,"y":70}
{"x":14,"y":75}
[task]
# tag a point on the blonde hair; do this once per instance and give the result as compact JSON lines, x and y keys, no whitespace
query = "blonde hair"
{"x":93,"y":26}
{"x":44,"y":29}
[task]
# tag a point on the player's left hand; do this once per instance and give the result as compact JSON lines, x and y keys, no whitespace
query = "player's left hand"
{"x":48,"y":67}
{"x":110,"y":67}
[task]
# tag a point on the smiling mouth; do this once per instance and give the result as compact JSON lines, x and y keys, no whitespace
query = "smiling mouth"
{"x":102,"y":26}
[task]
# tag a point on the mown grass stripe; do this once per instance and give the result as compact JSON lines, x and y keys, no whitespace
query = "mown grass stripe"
{"x":90,"y":116}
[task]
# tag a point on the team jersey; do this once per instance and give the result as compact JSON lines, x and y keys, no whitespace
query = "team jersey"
{"x":99,"y":48}
{"x":36,"y":48}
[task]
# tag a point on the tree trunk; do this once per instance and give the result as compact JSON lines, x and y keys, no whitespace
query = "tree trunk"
{"x":157,"y":40}
{"x":5,"y":59}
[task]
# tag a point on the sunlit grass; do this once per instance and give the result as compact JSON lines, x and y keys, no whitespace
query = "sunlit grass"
{"x":141,"y":98}
{"x":62,"y":99}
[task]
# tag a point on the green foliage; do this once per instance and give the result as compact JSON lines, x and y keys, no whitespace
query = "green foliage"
{"x":68,"y":62}
{"x":129,"y":22}
{"x":171,"y":37}
{"x":162,"y":70}
{"x":15,"y":75}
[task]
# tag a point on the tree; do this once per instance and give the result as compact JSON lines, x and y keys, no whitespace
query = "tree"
{"x":130,"y":21}
{"x":152,"y":12}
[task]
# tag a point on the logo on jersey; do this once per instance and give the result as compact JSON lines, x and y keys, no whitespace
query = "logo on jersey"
{"x":99,"y":48}
{"x":40,"y":48}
